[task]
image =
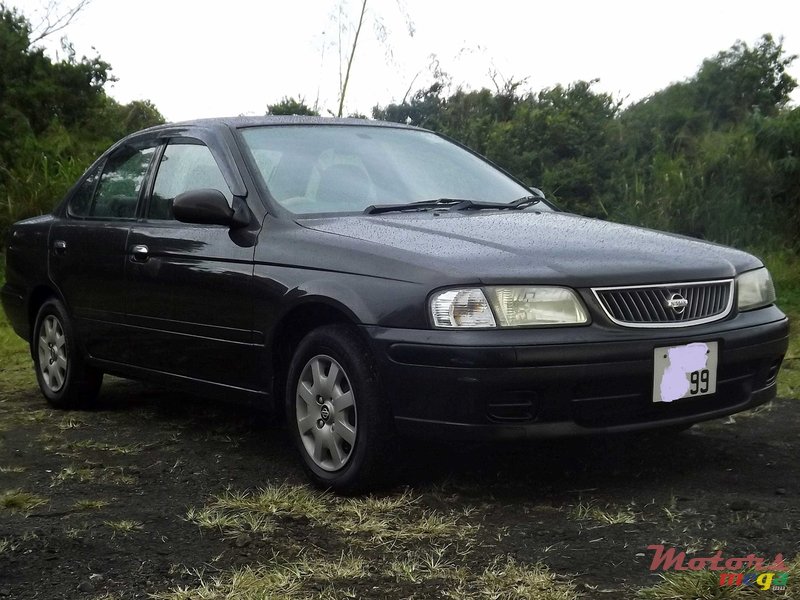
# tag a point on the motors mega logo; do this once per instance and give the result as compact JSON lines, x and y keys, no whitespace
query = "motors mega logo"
{"x":765,"y":576}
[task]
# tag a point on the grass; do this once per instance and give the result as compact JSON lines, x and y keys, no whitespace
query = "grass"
{"x":418,"y":546}
{"x":320,"y":577}
{"x":785,"y":268}
{"x":607,"y":516}
{"x":105,"y":447}
{"x":20,"y":501}
{"x":372,"y":519}
{"x":704,"y":585}
{"x":124,"y":526}
{"x":91,"y":472}
{"x":70,"y":422}
{"x":12,"y":469}
{"x":279,"y":579}
{"x":90,"y":504}
{"x":14,"y":355}
{"x":75,"y":473}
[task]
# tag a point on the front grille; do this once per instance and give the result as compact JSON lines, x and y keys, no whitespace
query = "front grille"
{"x":663,"y":305}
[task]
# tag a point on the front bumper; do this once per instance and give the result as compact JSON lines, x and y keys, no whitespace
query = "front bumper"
{"x":511,"y":384}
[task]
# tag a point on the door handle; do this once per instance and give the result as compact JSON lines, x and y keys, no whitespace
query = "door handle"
{"x":59,"y":246}
{"x":140,"y":253}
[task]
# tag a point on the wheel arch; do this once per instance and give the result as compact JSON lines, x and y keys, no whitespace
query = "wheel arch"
{"x":292,"y":327}
{"x":38,"y":296}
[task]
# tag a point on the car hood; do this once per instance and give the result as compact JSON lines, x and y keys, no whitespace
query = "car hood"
{"x":536,"y":247}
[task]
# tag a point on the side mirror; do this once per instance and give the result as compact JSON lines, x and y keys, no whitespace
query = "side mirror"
{"x":207,"y":207}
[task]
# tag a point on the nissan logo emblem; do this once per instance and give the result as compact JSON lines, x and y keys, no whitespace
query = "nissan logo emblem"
{"x":677,"y":303}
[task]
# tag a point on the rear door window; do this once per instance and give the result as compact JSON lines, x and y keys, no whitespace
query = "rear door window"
{"x":116,"y":194}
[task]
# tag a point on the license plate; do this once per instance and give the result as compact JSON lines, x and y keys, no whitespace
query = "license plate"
{"x":684,"y":371}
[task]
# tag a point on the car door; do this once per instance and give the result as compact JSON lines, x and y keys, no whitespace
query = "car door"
{"x":189,"y":286}
{"x":88,"y":247}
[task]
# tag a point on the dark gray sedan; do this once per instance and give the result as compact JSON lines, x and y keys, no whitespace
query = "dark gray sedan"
{"x":368,"y":280}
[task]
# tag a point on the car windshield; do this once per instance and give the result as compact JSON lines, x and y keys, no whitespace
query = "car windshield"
{"x":336,"y":169}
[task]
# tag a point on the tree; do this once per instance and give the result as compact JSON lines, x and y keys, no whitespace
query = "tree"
{"x":55,"y":118}
{"x":743,"y":79}
{"x":290,"y":106}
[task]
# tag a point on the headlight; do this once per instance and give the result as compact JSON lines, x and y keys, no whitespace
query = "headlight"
{"x":461,"y":308}
{"x":755,"y":289}
{"x":522,"y":306}
{"x":530,"y":306}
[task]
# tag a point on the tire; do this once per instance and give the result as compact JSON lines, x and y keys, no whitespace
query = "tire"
{"x":64,"y":378}
{"x":341,"y":424}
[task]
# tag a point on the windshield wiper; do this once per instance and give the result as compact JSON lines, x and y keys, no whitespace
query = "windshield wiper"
{"x":452,"y":204}
{"x":448,"y":203}
{"x":524,"y":202}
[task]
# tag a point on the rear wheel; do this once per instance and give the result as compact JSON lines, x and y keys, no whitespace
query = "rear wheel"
{"x":336,"y":414}
{"x":64,"y":378}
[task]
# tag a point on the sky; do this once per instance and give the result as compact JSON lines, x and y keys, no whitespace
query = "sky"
{"x":205,"y":58}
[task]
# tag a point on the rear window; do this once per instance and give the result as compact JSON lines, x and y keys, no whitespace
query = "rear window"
{"x":116,"y":194}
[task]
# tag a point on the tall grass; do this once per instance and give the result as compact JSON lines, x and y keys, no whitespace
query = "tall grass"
{"x":35,"y":186}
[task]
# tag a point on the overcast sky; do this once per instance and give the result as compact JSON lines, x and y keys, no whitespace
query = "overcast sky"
{"x":201,"y":58}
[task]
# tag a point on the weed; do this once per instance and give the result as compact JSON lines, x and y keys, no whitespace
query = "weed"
{"x":378,"y":519}
{"x":608,"y":516}
{"x":70,"y":422}
{"x":105,"y":447}
{"x":74,"y":473}
{"x":124,"y":526}
{"x":20,"y":501}
{"x":15,"y":469}
{"x":507,"y":579}
{"x":90,"y":504}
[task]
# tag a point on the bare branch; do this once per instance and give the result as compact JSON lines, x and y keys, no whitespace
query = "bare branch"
{"x":55,"y":20}
{"x":350,"y":59}
{"x":410,"y":85}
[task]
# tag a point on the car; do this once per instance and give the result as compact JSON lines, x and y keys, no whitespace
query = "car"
{"x":371,"y":281}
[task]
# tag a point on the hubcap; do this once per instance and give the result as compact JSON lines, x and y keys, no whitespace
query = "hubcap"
{"x":326,"y":413}
{"x":52,"y":353}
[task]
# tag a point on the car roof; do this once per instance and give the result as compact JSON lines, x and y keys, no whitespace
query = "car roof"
{"x":241,"y":122}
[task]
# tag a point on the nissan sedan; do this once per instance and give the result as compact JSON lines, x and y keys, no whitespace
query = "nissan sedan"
{"x":367,"y":281}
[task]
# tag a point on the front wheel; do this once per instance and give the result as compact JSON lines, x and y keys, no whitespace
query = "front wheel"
{"x":64,"y":378}
{"x":335,"y":411}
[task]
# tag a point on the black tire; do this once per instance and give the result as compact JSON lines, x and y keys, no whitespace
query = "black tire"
{"x":68,"y":384}
{"x":362,"y":465}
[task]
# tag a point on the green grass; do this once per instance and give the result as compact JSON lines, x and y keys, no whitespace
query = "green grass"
{"x":15,"y":359}
{"x":20,"y":501}
{"x":785,"y":269}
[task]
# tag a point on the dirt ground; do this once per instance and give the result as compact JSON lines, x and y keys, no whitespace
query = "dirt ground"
{"x":161,"y":493}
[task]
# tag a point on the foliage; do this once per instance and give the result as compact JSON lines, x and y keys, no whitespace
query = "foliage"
{"x":55,"y":118}
{"x":290,"y":106}
{"x":716,"y":156}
